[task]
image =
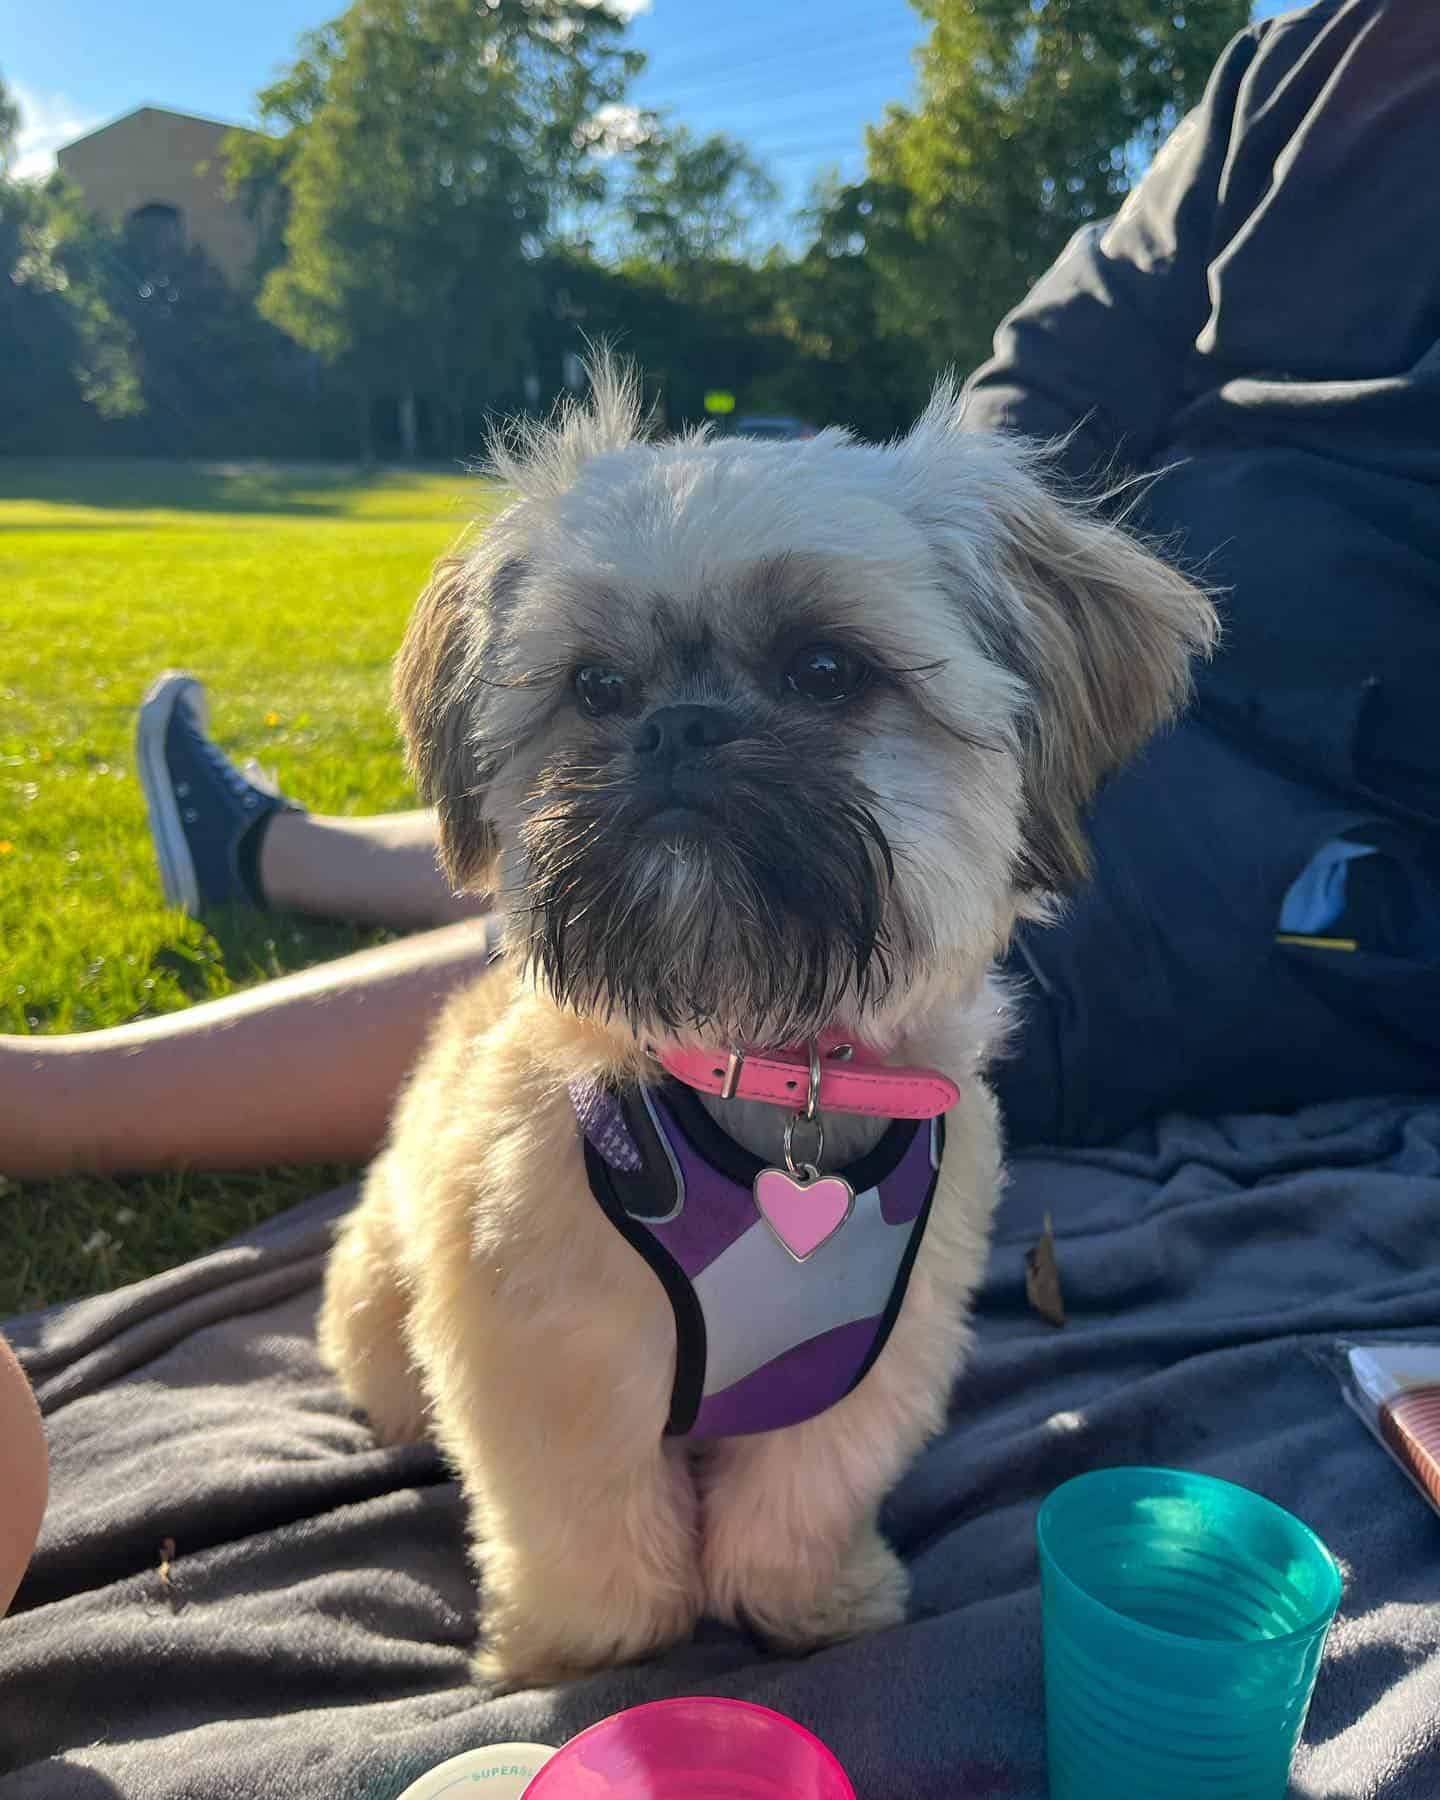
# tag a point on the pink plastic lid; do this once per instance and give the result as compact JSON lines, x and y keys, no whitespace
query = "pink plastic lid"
{"x":693,"y":1749}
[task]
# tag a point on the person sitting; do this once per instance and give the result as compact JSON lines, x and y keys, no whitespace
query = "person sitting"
{"x":1255,"y":336}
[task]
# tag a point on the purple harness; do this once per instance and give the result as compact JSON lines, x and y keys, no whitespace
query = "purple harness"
{"x":761,"y":1340}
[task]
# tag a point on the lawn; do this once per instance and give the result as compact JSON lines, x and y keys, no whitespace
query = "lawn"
{"x":285,"y":590}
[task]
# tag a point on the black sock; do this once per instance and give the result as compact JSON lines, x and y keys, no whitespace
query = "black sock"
{"x":247,"y":860}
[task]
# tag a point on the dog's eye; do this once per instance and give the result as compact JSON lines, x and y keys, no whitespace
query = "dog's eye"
{"x":599,"y":690}
{"x":825,"y":672}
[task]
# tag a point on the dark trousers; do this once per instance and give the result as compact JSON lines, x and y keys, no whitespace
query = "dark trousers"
{"x":1163,"y":987}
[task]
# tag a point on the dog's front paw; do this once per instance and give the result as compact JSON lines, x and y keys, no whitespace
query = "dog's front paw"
{"x":509,"y":1668}
{"x":869,"y":1593}
{"x":528,"y":1653}
{"x":796,"y":1606}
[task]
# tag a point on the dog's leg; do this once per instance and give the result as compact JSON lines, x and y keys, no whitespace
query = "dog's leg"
{"x":588,"y":1574}
{"x":550,"y":1395}
{"x":361,"y":1327}
{"x":791,"y":1545}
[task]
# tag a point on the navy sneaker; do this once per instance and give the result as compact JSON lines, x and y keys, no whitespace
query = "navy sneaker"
{"x":203,"y":810}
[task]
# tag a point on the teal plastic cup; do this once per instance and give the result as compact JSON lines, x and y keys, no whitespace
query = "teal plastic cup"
{"x":1184,"y":1619}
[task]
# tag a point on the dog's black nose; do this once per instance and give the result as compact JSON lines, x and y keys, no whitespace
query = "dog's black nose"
{"x":677,"y":734}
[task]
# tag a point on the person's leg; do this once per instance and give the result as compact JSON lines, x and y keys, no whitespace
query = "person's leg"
{"x":24,"y":1472}
{"x":1163,"y":987}
{"x":303,"y":1069}
{"x":225,"y":836}
{"x":379,"y":870}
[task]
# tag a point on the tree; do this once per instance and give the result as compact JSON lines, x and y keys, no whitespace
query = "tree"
{"x":840,"y":367}
{"x":688,"y":331}
{"x":684,"y":199}
{"x":63,"y":346}
{"x":1034,"y":116}
{"x":217,"y":379}
{"x":9,"y":126}
{"x":428,"y":144}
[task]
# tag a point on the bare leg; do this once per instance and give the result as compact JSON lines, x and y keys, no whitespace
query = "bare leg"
{"x":380,"y":870}
{"x":22,"y":1494}
{"x":224,"y":835}
{"x":304,"y":1069}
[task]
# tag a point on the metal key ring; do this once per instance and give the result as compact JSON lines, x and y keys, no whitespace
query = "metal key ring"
{"x":812,"y":1103}
{"x":811,"y":1163}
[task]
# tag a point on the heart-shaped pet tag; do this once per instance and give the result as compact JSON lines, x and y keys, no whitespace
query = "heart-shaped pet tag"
{"x":803,"y":1211}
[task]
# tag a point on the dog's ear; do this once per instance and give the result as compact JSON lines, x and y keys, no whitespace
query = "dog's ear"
{"x":434,"y":683}
{"x":1104,"y":640}
{"x":440,"y":685}
{"x":1100,"y":632}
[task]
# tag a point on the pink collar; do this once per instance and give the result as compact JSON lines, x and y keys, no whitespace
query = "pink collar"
{"x":853,"y":1079}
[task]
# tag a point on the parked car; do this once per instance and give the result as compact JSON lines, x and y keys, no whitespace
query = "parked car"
{"x":752,"y":425}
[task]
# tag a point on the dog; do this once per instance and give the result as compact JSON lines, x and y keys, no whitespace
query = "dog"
{"x":763,"y":749}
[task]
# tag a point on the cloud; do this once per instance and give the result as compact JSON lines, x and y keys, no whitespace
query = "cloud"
{"x":46,"y":122}
{"x":627,"y":9}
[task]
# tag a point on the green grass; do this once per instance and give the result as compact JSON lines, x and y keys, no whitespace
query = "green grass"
{"x":286,"y":590}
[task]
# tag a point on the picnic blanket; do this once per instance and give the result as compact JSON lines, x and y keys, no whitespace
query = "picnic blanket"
{"x":305,"y":1632}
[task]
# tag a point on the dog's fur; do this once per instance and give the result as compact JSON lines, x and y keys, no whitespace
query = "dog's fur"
{"x":861,"y":865}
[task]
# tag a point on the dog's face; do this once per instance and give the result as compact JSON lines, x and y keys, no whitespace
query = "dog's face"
{"x":762,"y":739}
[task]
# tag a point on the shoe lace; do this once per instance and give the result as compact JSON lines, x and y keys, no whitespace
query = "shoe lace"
{"x":235,"y":780}
{"x":260,"y":777}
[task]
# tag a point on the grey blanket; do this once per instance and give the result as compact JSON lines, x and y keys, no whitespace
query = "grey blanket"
{"x":309,"y":1636}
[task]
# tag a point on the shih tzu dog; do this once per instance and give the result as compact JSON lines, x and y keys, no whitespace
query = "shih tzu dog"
{"x":763,"y":749}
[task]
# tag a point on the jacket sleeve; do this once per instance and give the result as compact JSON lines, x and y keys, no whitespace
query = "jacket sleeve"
{"x":1096,"y":352}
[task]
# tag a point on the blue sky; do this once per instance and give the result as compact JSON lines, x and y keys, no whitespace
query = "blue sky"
{"x":797,"y":79}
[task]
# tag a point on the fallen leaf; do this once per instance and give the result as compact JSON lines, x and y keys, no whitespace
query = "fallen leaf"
{"x":1042,"y":1277}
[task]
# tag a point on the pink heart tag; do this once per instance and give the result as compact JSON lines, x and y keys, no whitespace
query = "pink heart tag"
{"x":803,"y":1214}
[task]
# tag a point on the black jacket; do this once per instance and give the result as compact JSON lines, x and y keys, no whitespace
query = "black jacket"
{"x":1261,"y":322}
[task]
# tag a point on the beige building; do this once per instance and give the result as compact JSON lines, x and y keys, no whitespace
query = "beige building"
{"x":160,"y":173}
